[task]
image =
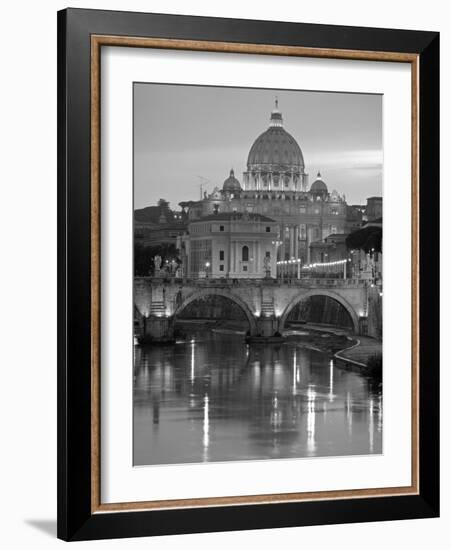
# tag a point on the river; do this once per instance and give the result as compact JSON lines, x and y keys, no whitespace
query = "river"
{"x":211,"y":398}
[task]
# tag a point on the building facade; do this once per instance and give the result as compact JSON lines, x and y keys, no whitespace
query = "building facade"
{"x":276,"y":185}
{"x":229,"y":244}
{"x":331,"y":249}
{"x":373,"y":208}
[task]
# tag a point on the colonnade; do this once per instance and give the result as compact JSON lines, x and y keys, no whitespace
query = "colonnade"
{"x":290,"y":240}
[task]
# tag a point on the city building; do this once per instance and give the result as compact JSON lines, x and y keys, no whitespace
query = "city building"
{"x":273,"y":224}
{"x":331,"y":249}
{"x":158,"y":225}
{"x":276,"y":185}
{"x":373,"y":209}
{"x":229,"y":244}
{"x":366,"y":252}
{"x":354,"y":217}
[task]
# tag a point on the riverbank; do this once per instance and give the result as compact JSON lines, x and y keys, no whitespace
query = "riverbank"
{"x":356,"y":350}
{"x":360,"y":353}
{"x":352,"y":351}
{"x":326,"y":339}
{"x":321,"y":339}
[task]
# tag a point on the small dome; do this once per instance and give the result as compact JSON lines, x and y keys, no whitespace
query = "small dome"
{"x":318,"y":186}
{"x":231,"y":184}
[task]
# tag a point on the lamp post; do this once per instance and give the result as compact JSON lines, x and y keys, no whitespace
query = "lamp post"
{"x":207,"y":266}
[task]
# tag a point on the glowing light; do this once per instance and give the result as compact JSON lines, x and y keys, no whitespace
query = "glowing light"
{"x":325,"y":264}
{"x":331,"y":380}
{"x":285,"y":262}
{"x":206,"y":424}
{"x":192,"y":362}
{"x":311,"y":396}
{"x":349,"y":412}
{"x":276,"y":415}
{"x":379,"y":414}
{"x":371,"y":426}
{"x":316,"y":264}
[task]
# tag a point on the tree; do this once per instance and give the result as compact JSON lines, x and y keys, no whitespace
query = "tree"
{"x":368,"y":239}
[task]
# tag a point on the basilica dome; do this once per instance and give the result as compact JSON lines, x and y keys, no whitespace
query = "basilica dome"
{"x":231,"y":184}
{"x":318,"y":186}
{"x":275,"y":149}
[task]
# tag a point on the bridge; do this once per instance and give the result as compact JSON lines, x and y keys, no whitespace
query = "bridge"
{"x":266,"y":303}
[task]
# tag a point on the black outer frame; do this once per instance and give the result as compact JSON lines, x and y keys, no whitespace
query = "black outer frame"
{"x":75,"y":520}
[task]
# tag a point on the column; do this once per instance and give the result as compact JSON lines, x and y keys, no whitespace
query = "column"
{"x":287,"y":241}
{"x":296,"y":241}
{"x":257,"y":266}
{"x":296,"y":251}
{"x":291,"y":233}
{"x":254,"y":258}
{"x":282,"y":240}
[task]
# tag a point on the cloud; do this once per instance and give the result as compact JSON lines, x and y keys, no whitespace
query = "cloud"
{"x":357,"y":159}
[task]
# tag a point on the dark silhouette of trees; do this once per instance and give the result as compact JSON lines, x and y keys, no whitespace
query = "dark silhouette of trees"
{"x":368,"y":239}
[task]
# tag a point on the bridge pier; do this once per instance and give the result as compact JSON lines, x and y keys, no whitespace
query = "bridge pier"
{"x":267,"y":326}
{"x":157,"y":330}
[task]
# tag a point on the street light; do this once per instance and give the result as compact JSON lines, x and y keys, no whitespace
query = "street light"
{"x":207,"y":265}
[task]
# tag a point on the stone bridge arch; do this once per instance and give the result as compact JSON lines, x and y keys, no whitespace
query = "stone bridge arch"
{"x":196,"y":295}
{"x":301,"y":297}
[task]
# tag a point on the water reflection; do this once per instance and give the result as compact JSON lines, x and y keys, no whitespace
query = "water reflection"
{"x":213,"y":398}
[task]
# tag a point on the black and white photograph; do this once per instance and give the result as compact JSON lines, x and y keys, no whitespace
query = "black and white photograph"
{"x":225,"y":300}
{"x":257,"y":274}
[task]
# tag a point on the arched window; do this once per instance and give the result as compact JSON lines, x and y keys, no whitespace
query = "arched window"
{"x":245,"y":254}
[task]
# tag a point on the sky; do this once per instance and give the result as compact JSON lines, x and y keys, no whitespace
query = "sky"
{"x":185,"y":136}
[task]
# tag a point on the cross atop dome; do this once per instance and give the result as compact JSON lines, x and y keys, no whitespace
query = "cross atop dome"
{"x":276,"y":115}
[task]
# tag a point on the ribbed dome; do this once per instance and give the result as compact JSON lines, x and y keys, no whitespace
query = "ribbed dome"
{"x":318,"y":186}
{"x":275,"y":149}
{"x":231,"y":184}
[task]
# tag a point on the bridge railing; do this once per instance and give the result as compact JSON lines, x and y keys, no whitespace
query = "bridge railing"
{"x":266,"y":282}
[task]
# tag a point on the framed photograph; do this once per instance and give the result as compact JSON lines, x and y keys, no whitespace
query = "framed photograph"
{"x":248,"y":274}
